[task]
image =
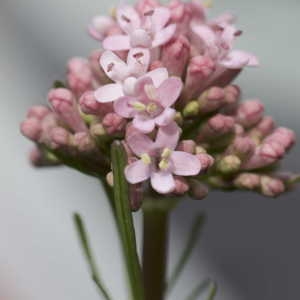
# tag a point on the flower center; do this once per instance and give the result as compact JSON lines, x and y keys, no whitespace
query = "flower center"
{"x":146,"y":159}
{"x":165,"y":156}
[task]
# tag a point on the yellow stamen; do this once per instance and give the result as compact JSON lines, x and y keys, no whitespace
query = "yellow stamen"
{"x":146,"y":159}
{"x":166,"y":153}
{"x":150,"y":91}
{"x":151,"y":108}
{"x":163,"y":164}
{"x":139,"y":106}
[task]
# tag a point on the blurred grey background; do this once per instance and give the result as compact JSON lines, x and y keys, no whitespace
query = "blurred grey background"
{"x":250,"y":244}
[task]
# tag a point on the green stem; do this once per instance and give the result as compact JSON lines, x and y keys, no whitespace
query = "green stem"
{"x":155,"y":252}
{"x":125,"y":223}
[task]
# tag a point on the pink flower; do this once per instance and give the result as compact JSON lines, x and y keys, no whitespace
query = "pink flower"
{"x":158,"y":160}
{"x":100,"y":27}
{"x":150,"y":31}
{"x":151,"y":103}
{"x":124,"y":74}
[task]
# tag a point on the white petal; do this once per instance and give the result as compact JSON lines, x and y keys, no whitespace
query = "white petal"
{"x":138,"y":61}
{"x":162,"y":182}
{"x":109,"y":92}
{"x":164,"y":35}
{"x":238,"y":59}
{"x":185,"y":164}
{"x":113,"y":66}
{"x":137,"y":172}
{"x":160,"y":18}
{"x":158,"y":76}
{"x":116,"y":43}
{"x":143,"y":124}
{"x":128,"y":18}
{"x":168,"y":136}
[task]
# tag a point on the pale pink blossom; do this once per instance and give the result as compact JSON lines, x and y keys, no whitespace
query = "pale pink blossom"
{"x":100,"y":27}
{"x":149,"y":31}
{"x":151,"y":104}
{"x":159,"y":161}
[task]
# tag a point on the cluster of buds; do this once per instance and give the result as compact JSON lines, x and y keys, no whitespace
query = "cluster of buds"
{"x":162,"y":83}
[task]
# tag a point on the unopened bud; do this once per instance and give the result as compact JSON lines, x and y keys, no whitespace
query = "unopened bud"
{"x":96,"y":68}
{"x":250,"y":113}
{"x":211,"y":100}
{"x":83,"y":142}
{"x":191,"y":109}
{"x":79,"y":75}
{"x":229,"y":164}
{"x":187,"y":146}
{"x":181,"y":185}
{"x":248,"y":181}
{"x":175,"y":55}
{"x":113,"y":123}
{"x":271,"y":187}
{"x":206,"y":161}
{"x":89,"y":105}
{"x":64,"y":105}
{"x":60,"y":137}
{"x":38,"y":112}
{"x":31,"y":128}
{"x":110,"y":179}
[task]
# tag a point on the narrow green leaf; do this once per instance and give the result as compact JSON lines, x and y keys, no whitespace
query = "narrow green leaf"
{"x":207,"y":287}
{"x":125,"y":222}
{"x":191,"y":243}
{"x":84,"y":241}
{"x":58,"y":84}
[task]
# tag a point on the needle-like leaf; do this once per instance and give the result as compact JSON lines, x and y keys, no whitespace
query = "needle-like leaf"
{"x":207,"y":288}
{"x":84,"y":241}
{"x":191,"y":243}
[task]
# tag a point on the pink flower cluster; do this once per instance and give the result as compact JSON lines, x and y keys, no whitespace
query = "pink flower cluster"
{"x":161,"y":82}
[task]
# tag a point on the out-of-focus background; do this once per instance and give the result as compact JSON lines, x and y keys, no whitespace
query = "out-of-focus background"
{"x":250,"y":244}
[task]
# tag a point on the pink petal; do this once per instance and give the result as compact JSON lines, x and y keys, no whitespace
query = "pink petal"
{"x":116,"y":43}
{"x":162,"y":182}
{"x":137,"y":172}
{"x":114,"y":67}
{"x":166,"y":117}
{"x":185,"y":164}
{"x":160,"y":18}
{"x":123,"y":108}
{"x":158,"y":76}
{"x":138,"y":61}
{"x":204,"y":33}
{"x":139,"y":143}
{"x":128,"y":18}
{"x":168,"y":136}
{"x":140,"y":86}
{"x":163,"y":36}
{"x":143,"y":123}
{"x":169,"y":91}
{"x":140,"y":38}
{"x":238,"y":59}
{"x":109,"y":92}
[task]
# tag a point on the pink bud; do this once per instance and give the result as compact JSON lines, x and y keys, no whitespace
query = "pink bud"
{"x":243,"y":147}
{"x":113,"y":123}
{"x":215,"y":127}
{"x":63,"y":103}
{"x":60,"y":137}
{"x":100,"y":26}
{"x":187,"y":146}
{"x":247,"y":181}
{"x":98,"y":72}
{"x":232,"y":96}
{"x":283,"y":136}
{"x":39,"y":159}
{"x":79,"y":75}
{"x":206,"y":161}
{"x":83,"y":142}
{"x":271,"y":187}
{"x":211,"y":100}
{"x":38,"y":112}
{"x":199,"y":70}
{"x":250,"y":113}
{"x":89,"y":105}
{"x":31,"y":128}
{"x":175,"y":55}
{"x":263,"y":128}
{"x":181,"y":185}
